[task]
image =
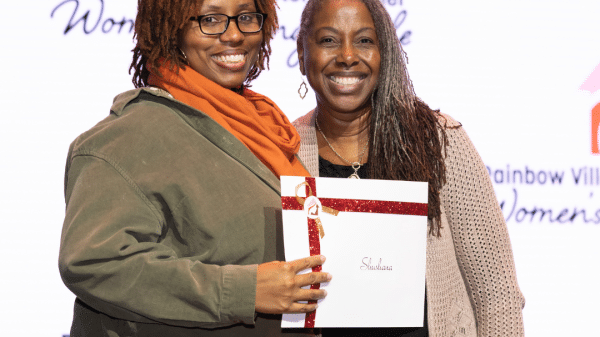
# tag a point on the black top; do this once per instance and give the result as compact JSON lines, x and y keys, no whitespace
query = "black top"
{"x":327,"y":169}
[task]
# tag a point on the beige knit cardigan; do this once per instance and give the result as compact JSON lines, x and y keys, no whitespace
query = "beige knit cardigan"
{"x":471,"y":283}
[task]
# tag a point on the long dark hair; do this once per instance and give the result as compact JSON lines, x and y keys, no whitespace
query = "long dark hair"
{"x":159,"y":24}
{"x":407,"y":139}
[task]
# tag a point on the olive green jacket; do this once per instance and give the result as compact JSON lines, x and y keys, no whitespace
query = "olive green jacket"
{"x":167,"y":217}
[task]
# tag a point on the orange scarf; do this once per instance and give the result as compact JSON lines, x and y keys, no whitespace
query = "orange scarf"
{"x":252,"y":118}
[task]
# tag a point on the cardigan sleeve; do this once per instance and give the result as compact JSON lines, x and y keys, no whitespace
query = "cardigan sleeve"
{"x":481,"y":240}
{"x":112,"y":257}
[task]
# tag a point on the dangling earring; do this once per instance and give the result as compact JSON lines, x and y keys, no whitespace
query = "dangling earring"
{"x":302,"y":95}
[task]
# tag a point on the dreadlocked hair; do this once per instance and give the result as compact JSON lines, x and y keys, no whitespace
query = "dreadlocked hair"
{"x":160,"y":23}
{"x":407,"y":140}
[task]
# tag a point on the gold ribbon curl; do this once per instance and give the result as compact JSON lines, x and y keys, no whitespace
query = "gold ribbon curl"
{"x":325,"y":208}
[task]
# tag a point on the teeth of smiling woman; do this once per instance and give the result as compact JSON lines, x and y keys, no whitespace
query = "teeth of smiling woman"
{"x":237,"y":58}
{"x":346,"y":80}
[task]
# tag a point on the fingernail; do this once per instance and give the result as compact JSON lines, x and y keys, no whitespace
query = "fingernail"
{"x":324,"y":293}
{"x":322,"y":258}
{"x":329,"y":277}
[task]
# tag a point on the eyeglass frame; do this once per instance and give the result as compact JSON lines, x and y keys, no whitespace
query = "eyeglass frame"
{"x":229,"y":18}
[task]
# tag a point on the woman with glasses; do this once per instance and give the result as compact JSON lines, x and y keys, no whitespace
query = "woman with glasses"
{"x":172,"y":223}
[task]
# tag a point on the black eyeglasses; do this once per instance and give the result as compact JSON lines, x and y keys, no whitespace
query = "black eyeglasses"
{"x":215,"y":24}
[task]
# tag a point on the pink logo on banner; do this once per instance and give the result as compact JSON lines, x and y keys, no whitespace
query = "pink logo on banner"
{"x":592,"y":84}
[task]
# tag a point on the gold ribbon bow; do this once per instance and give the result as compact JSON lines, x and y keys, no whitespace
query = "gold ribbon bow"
{"x":326,"y":209}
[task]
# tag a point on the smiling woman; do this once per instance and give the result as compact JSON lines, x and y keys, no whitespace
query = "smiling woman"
{"x":173,"y":202}
{"x":369,"y":123}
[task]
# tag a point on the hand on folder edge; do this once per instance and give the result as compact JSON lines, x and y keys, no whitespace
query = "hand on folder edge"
{"x":278,"y":286}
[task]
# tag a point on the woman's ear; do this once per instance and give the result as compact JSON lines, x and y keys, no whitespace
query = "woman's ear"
{"x":300,"y":51}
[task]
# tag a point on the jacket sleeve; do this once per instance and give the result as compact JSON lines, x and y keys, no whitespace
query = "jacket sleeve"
{"x":481,"y":240}
{"x":112,"y":258}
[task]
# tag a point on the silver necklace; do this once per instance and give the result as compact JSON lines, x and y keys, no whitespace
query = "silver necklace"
{"x":355,"y":165}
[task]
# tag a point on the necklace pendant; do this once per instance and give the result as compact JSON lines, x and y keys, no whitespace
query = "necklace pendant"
{"x":354,"y":175}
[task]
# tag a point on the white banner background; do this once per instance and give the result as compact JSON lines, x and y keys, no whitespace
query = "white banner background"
{"x":510,"y":71}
